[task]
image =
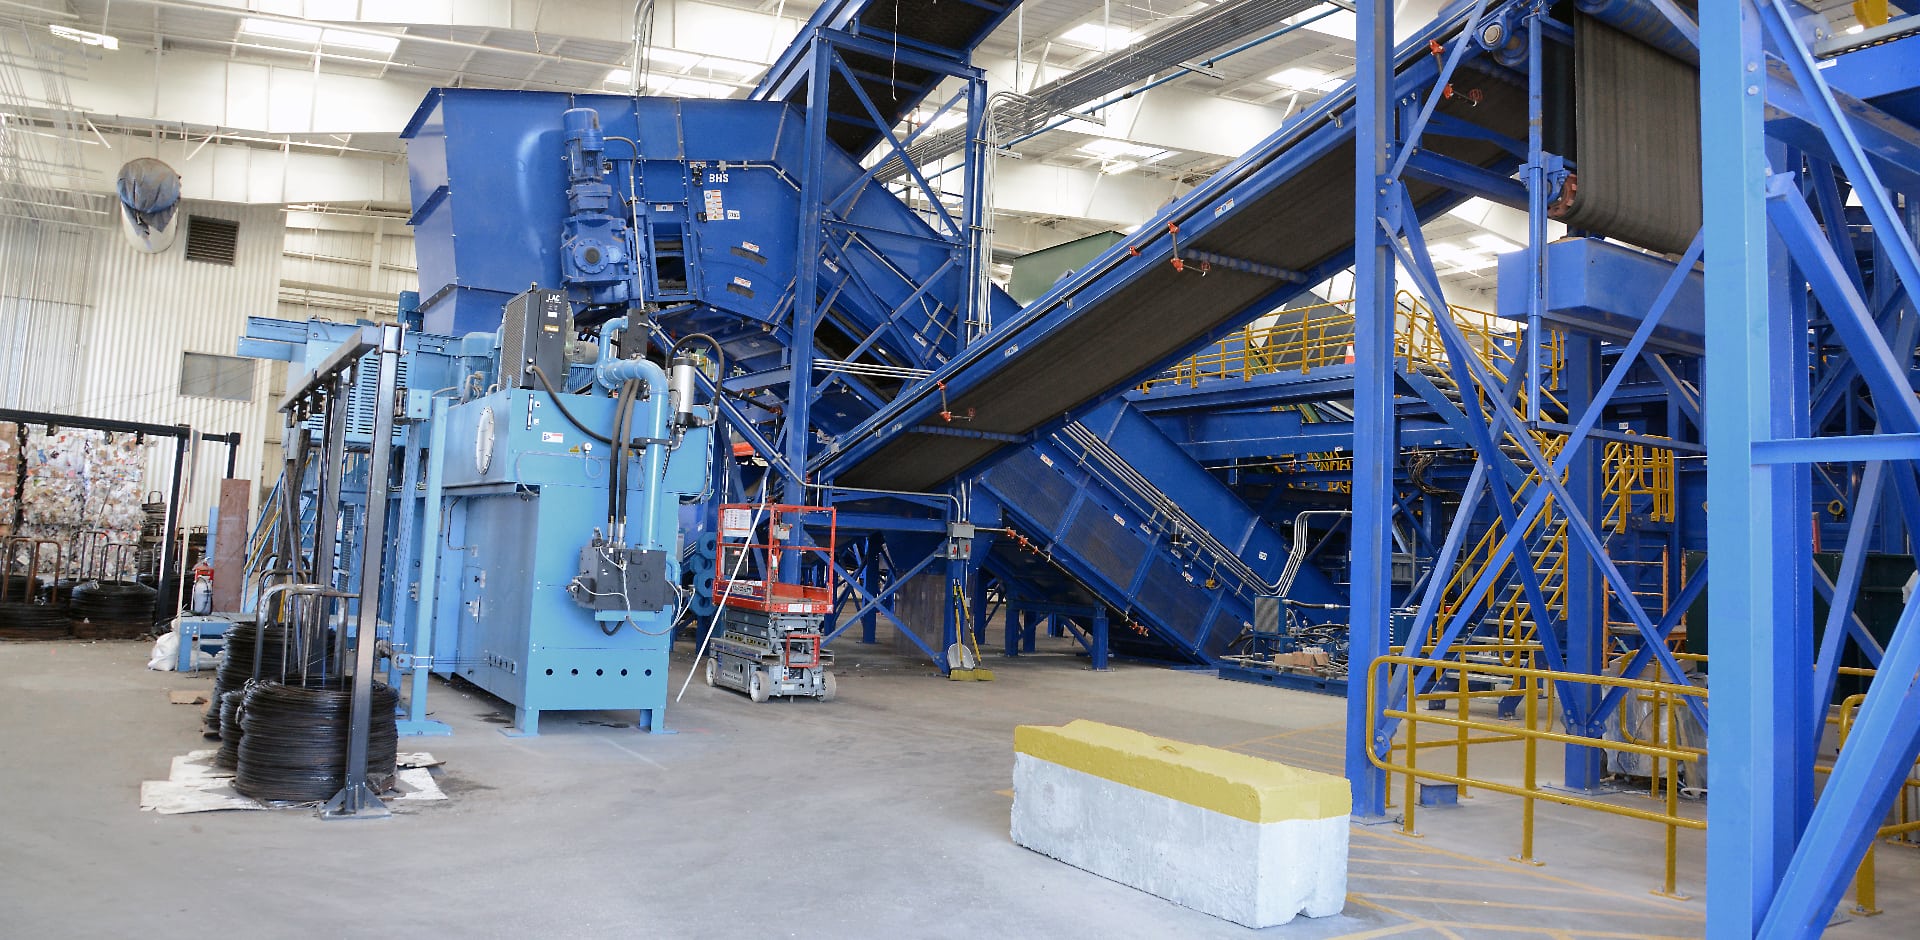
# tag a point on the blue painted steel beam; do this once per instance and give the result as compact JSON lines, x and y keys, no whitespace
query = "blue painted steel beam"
{"x":1374,"y":454}
{"x":1751,"y":821}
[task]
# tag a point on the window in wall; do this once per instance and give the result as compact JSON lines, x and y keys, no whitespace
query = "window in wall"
{"x":204,"y":375}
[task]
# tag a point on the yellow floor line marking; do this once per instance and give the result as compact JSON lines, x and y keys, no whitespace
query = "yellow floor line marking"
{"x":1403,"y":862}
{"x":1418,"y":921}
{"x":1570,"y":932}
{"x":1509,"y":905}
{"x":1422,"y":879}
{"x":1381,"y":932}
{"x":1341,"y":728}
{"x":1512,"y":866}
{"x":1006,"y":793}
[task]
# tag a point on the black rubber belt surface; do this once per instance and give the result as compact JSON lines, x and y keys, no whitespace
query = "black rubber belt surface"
{"x":1637,"y":119}
{"x":1298,"y":225}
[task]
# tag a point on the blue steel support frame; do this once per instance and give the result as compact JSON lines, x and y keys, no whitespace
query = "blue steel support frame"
{"x":1775,"y":867}
{"x":1374,"y":441}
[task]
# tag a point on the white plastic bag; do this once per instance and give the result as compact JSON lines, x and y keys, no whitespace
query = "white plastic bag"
{"x":166,"y":653}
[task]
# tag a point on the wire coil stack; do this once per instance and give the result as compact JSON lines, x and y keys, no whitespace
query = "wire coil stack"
{"x":232,"y":709}
{"x":29,"y":621}
{"x":294,"y":742}
{"x":278,"y":661}
{"x":112,"y":610}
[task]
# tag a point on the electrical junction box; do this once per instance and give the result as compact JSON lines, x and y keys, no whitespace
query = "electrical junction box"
{"x":620,"y":580}
{"x":534,"y":331}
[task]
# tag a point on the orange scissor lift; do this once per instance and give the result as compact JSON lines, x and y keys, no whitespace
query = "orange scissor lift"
{"x":770,"y":640}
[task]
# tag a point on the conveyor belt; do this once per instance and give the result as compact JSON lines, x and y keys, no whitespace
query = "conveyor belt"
{"x":952,"y":29}
{"x":1286,"y":206}
{"x":1637,"y":118}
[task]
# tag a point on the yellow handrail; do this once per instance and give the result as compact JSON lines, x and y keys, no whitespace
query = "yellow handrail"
{"x":1528,"y":682}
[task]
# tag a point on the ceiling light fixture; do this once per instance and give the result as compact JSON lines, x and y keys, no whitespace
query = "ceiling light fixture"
{"x":1305,"y":79}
{"x":619,"y":77}
{"x":1099,"y":38}
{"x":1118,"y":167}
{"x":85,"y":38}
{"x":368,"y":41}
{"x":275,"y":29}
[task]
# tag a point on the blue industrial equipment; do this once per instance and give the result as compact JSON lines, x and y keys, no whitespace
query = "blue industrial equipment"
{"x":596,"y":250}
{"x":531,"y":574}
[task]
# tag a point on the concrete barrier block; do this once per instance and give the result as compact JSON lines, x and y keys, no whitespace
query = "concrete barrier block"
{"x":1248,"y":840}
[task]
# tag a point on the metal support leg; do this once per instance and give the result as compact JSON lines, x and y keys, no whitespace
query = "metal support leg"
{"x":1373,"y":439}
{"x":1584,"y":591}
{"x":1098,"y":654}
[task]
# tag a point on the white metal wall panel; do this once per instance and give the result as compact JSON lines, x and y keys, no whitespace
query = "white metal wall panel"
{"x":149,"y":309}
{"x":45,"y":288}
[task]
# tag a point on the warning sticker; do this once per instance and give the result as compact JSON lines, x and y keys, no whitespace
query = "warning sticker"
{"x":733,"y":214}
{"x":743,"y":282}
{"x":552,"y":437}
{"x":750,"y":247}
{"x":716,"y":209}
{"x":1223,"y":208}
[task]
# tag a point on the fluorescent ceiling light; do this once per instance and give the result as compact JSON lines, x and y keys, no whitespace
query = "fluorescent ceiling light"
{"x":1473,"y":262}
{"x":85,"y":38}
{"x":673,"y":58}
{"x":945,"y":121}
{"x":731,"y":67}
{"x":620,"y":77}
{"x":1441,"y":251}
{"x":275,"y":29}
{"x":1493,"y":243}
{"x":1099,"y":38}
{"x":1340,"y":25}
{"x":1304,"y":79}
{"x":1123,"y":166}
{"x":368,"y":41}
{"x":694,"y":88}
{"x":1109,"y":149}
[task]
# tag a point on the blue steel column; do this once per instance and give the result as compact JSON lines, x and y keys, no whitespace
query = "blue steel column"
{"x":1585,"y":590}
{"x":1750,"y":832}
{"x":806,"y":295}
{"x":1373,"y":440}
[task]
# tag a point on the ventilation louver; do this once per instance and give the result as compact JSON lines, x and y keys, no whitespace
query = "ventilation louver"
{"x":211,"y":240}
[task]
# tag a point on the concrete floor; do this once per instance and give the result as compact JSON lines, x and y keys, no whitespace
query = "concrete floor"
{"x":883,"y":814}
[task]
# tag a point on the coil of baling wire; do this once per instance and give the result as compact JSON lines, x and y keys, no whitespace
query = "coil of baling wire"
{"x":232,"y":710}
{"x":29,"y":621}
{"x":278,"y":661}
{"x":293,"y":746}
{"x":112,"y":610}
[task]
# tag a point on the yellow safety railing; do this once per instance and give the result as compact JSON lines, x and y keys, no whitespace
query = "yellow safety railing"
{"x":1529,"y":683}
{"x":1637,"y":470}
{"x":1323,"y":335}
{"x":1865,"y":881}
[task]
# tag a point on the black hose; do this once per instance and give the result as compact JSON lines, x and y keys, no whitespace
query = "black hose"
{"x":538,"y":373}
{"x":631,"y":391}
{"x":719,"y":354}
{"x":293,"y":743}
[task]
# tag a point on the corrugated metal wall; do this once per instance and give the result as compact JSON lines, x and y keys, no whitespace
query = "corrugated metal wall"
{"x":370,"y":267}
{"x":45,"y":300}
{"x":106,"y":327}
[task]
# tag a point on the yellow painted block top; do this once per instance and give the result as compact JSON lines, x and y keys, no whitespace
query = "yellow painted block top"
{"x":1237,"y":785}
